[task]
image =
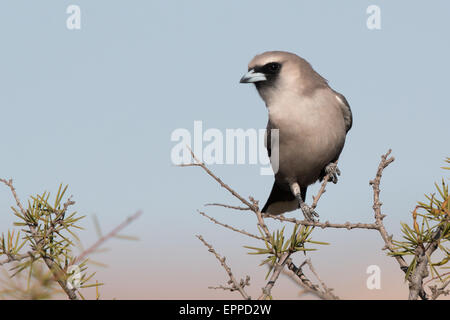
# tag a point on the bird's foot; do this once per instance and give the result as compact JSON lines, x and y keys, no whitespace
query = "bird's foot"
{"x":308,"y":212}
{"x":333,"y":172}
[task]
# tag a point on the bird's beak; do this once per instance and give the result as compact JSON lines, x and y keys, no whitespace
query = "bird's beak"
{"x":251,"y":76}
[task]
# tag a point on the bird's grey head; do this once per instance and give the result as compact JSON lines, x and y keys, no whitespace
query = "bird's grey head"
{"x":276,"y":72}
{"x":264,"y":69}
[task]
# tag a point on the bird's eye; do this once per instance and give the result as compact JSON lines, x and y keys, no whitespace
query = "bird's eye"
{"x":272,"y":67}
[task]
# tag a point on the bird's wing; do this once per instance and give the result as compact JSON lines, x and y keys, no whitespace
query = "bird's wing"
{"x":268,"y":140}
{"x":346,"y":111}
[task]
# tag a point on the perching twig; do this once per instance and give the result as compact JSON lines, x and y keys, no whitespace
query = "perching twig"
{"x":253,"y":206}
{"x":326,"y":224}
{"x":284,"y":259}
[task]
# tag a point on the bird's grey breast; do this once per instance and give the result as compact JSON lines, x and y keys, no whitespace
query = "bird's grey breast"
{"x":311,"y":134}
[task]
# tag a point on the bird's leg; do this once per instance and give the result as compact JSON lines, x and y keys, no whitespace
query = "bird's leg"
{"x":333,"y":172}
{"x":308,"y":212}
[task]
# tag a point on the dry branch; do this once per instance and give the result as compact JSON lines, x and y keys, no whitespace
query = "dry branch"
{"x":239,"y":286}
{"x":230,"y":227}
{"x":253,"y":206}
{"x":284,"y":259}
{"x":106,"y":237}
{"x":279,"y":266}
{"x":227,"y":206}
{"x":296,"y":273}
{"x":375,"y":183}
{"x":326,"y":224}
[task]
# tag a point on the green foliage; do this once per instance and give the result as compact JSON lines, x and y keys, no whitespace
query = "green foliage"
{"x":433,"y":229}
{"x":278,"y":244}
{"x":48,"y":237}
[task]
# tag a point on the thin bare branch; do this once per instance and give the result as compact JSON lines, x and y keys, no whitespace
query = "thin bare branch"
{"x":198,"y":163}
{"x":227,"y":206}
{"x":230,"y":227}
{"x":267,"y":290}
{"x":327,"y":291}
{"x":415,"y":280}
{"x":235,"y":284}
{"x":298,"y":279}
{"x":437,"y":277}
{"x":437,"y":291}
{"x":243,"y":283}
{"x":103,"y":239}
{"x":253,"y":205}
{"x":326,"y":224}
{"x":375,"y":183}
{"x":9,"y":183}
{"x":297,"y":275}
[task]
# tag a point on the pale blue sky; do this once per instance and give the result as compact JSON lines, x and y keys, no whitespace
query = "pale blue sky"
{"x":94,"y":108}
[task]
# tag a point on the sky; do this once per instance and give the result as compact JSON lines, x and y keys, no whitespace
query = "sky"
{"x":95,"y":108}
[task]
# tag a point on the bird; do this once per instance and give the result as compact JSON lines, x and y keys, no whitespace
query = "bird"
{"x":312,"y":122}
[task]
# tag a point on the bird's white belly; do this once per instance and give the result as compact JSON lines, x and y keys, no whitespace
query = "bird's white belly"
{"x":305,"y":148}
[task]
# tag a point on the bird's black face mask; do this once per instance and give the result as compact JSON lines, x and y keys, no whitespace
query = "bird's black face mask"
{"x":265,"y":75}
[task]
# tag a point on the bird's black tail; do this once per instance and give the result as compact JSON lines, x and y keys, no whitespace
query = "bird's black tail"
{"x":280,"y":195}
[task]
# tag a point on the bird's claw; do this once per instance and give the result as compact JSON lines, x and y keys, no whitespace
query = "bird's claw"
{"x":308,"y":212}
{"x":333,"y":172}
